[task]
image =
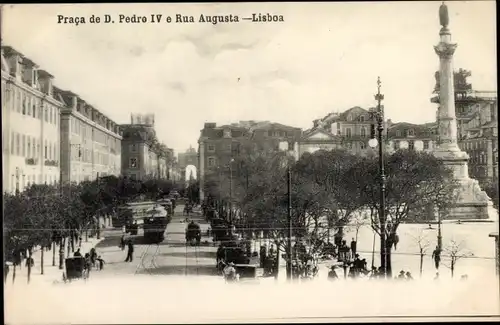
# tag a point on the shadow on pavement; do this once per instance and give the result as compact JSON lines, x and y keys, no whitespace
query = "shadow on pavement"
{"x":206,"y":270}
{"x":182,"y":243}
{"x":191,"y":254}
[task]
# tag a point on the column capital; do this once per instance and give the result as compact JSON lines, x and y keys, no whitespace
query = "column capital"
{"x":445,"y":50}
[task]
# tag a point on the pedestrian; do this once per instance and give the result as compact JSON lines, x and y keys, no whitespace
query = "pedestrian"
{"x":88,"y":264}
{"x":93,"y":256}
{"x":101,"y":262}
{"x":332,"y":275}
{"x":436,"y":256}
{"x":437,"y":276}
{"x":6,"y":270}
{"x":220,"y":254}
{"x":130,"y":252}
{"x":122,"y":242}
{"x":408,"y":276}
{"x":401,"y":275}
{"x":396,"y":241}
{"x":353,"y":247}
{"x":30,"y":262}
{"x":263,"y":255}
{"x":77,"y":253}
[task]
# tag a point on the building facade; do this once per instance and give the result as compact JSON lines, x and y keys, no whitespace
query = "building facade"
{"x":30,"y":124}
{"x":90,"y":141}
{"x":217,"y":145}
{"x":50,"y":135}
{"x":418,"y":137}
{"x":349,"y":130}
{"x":477,"y":123}
{"x":143,"y":158}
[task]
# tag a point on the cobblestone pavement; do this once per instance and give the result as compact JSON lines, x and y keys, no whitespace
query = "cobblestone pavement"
{"x":171,"y":257}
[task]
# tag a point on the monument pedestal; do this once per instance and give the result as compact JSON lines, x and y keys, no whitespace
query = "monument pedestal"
{"x":472,"y":203}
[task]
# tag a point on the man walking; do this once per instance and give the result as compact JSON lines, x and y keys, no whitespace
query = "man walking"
{"x":436,"y":256}
{"x":353,"y":247}
{"x":130,"y":252}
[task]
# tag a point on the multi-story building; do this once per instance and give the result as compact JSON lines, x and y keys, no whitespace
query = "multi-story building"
{"x":348,"y":130}
{"x":143,"y":157}
{"x":30,"y":124}
{"x":218,"y":145}
{"x":50,"y":135}
{"x":90,"y":141}
{"x":477,"y":121}
{"x":419,"y":137}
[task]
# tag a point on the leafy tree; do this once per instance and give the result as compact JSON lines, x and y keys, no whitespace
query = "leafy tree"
{"x":414,"y":180}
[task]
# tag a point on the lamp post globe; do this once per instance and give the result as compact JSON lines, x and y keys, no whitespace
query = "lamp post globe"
{"x":373,"y":143}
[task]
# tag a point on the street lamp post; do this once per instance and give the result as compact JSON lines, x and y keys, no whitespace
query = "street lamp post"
{"x":284,"y":146}
{"x":231,"y":194}
{"x":289,"y":221}
{"x":439,"y":236}
{"x":378,"y":117}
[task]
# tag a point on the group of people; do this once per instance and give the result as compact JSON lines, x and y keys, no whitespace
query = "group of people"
{"x":92,"y":259}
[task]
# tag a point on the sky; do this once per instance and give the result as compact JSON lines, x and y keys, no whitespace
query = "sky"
{"x":323,"y":58}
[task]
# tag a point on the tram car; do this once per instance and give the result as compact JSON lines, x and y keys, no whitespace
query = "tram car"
{"x":155,"y":224}
{"x":132,"y":212}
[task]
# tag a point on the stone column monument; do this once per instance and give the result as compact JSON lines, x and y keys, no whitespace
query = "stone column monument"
{"x":473,"y":203}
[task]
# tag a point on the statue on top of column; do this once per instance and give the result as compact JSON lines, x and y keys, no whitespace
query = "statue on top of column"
{"x":444,"y":19}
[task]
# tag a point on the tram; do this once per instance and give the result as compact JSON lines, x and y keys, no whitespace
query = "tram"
{"x":130,"y":212}
{"x":155,"y":224}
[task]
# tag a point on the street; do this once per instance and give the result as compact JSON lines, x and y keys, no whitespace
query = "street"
{"x":171,"y":257}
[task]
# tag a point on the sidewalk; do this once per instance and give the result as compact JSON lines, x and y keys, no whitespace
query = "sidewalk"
{"x":51,"y":273}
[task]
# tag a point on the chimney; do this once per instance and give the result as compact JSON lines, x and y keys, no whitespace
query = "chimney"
{"x":210,"y":125}
{"x":45,"y":81}
{"x":74,"y":102}
{"x":30,"y":72}
{"x":14,"y":60}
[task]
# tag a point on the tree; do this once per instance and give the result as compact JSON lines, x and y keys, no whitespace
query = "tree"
{"x":44,"y":203}
{"x":491,"y":188}
{"x":16,"y":235}
{"x":414,"y":180}
{"x":359,"y":220}
{"x":423,"y":244}
{"x":454,"y":252}
{"x":323,"y":190}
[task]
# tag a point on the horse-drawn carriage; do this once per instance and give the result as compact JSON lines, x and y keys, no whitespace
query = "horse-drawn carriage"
{"x":76,"y":268}
{"x":193,"y":234}
{"x":188,"y":208}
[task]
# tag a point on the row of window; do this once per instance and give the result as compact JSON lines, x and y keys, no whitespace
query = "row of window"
{"x":31,"y":105}
{"x":29,"y":147}
{"x":86,"y":131}
{"x":271,"y":133}
{"x":227,"y":147}
{"x":360,"y":118}
{"x":473,"y":145}
{"x":28,"y":180}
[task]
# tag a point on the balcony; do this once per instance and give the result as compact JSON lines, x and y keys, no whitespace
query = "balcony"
{"x":53,"y":163}
{"x":31,"y":161}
